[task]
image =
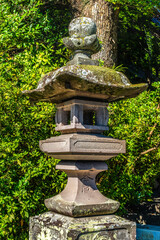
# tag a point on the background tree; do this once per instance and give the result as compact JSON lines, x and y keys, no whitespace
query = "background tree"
{"x":106,"y":16}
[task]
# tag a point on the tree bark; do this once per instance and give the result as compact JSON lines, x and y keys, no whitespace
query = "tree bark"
{"x":106,"y":19}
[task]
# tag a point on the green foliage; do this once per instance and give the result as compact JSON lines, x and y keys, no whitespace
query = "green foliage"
{"x":144,"y":5}
{"x":119,"y":68}
{"x":130,"y":176}
{"x":30,"y":45}
{"x":139,"y":44}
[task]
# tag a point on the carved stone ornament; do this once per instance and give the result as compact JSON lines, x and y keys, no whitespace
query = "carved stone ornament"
{"x":83,"y":41}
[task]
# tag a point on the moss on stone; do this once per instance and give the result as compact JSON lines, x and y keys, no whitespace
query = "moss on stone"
{"x":109,"y":75}
{"x":85,"y":81}
{"x":108,"y":227}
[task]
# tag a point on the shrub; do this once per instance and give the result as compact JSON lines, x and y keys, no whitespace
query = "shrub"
{"x":130,"y":176}
{"x":31,"y":45}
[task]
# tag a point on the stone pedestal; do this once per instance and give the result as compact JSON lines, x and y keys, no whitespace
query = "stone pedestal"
{"x":52,"y":226}
{"x":81,"y":196}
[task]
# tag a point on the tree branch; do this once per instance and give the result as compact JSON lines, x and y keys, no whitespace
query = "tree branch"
{"x":147,"y":151}
{"x":153,"y":128}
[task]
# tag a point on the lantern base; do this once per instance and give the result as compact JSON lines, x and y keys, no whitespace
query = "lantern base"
{"x":53,"y":226}
{"x":81,"y":197}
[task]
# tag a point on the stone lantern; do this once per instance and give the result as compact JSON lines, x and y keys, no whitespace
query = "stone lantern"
{"x":82,"y":91}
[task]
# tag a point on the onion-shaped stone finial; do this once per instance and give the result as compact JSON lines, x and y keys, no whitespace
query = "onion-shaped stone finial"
{"x":83,"y":41}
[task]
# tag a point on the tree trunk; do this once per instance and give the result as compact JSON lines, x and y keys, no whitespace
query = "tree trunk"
{"x":106,"y":19}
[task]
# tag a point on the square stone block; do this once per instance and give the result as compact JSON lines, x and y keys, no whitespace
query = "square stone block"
{"x":52,"y":226}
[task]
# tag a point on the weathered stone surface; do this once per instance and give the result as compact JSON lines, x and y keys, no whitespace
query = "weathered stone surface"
{"x":89,"y":43}
{"x":78,"y":146}
{"x":81,"y":27}
{"x":52,"y":226}
{"x":103,"y":235}
{"x":91,"y":82}
{"x":82,"y":59}
{"x":83,"y":41}
{"x":81,"y":196}
{"x":83,"y":78}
